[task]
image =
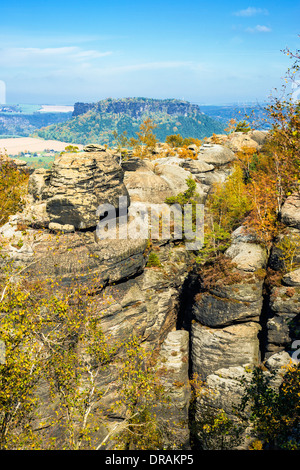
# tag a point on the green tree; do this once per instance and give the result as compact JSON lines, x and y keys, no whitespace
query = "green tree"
{"x":226,"y":208}
{"x":143,"y":394}
{"x":242,"y":126}
{"x":274,"y":413}
{"x":212,"y":428}
{"x":174,"y":140}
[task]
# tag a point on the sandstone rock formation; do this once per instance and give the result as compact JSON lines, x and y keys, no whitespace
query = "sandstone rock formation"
{"x":216,"y":329}
{"x":76,"y":186}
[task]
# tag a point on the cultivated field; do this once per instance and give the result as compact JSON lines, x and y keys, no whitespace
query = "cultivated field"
{"x":30,"y":144}
{"x":47,"y":108}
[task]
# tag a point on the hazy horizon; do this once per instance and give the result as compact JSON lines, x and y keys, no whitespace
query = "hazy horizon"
{"x":233,"y":103}
{"x":208,"y":54}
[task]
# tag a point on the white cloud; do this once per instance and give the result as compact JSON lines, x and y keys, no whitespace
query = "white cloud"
{"x":259,"y":29}
{"x":251,"y":11}
{"x":47,"y":57}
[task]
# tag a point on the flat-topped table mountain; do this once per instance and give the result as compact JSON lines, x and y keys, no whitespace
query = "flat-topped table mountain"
{"x":95,"y":122}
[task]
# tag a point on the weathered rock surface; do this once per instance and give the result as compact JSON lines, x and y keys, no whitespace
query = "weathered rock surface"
{"x":216,"y":348}
{"x":136,"y":164}
{"x":38,"y":181}
{"x":290,"y":212}
{"x":146,"y":186}
{"x":176,"y":177}
{"x":68,"y":256}
{"x":226,"y":329}
{"x":259,"y":136}
{"x":239,"y":140}
{"x":225,"y":388}
{"x":148,"y":303}
{"x":247,"y":256}
{"x":232,"y":321}
{"x":215,"y":154}
{"x":196,"y":166}
{"x":78,"y":184}
{"x":173,"y":365}
{"x":283,"y":324}
{"x":292,"y":278}
{"x":225,"y":305}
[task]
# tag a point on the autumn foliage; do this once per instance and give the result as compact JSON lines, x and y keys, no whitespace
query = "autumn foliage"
{"x":13,"y":187}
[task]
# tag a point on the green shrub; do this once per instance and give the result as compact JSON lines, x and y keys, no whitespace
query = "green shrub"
{"x":153,"y":261}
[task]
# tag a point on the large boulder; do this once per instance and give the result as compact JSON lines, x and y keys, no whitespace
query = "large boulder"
{"x":176,"y":177}
{"x":79,"y":183}
{"x":238,"y":141}
{"x":215,"y":154}
{"x":247,"y":256}
{"x":196,"y":166}
{"x":258,"y":136}
{"x":292,"y":278}
{"x":146,"y":186}
{"x":221,"y":306}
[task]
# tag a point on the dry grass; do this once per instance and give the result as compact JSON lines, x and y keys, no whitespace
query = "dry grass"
{"x":13,"y":146}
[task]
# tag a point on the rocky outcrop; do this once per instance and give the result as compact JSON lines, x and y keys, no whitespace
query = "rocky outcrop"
{"x":282,"y":325}
{"x":225,"y":388}
{"x":292,"y":279}
{"x":77,"y":255}
{"x":71,"y":192}
{"x":248,"y":257}
{"x":221,"y":305}
{"x":226,"y":312}
{"x":239,"y":140}
{"x":290,"y":212}
{"x":146,"y":186}
{"x":284,"y":298}
{"x":233,"y":322}
{"x":153,"y":183}
{"x":78,"y":184}
{"x":147,"y":303}
{"x":215,"y":154}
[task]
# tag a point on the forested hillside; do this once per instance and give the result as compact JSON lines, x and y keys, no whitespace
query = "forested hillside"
{"x":95,"y":123}
{"x":22,"y":124}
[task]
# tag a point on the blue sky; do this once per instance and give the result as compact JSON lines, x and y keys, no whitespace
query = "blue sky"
{"x":211,"y":52}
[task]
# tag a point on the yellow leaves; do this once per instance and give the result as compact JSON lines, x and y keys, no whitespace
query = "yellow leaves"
{"x":231,"y":126}
{"x":256,"y":445}
{"x":145,"y":141}
{"x":53,"y":336}
{"x":185,"y":152}
{"x":13,"y":186}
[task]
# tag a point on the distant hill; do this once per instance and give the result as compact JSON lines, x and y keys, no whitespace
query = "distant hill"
{"x":23,"y":120}
{"x":94,"y":122}
{"x":255,"y":114}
